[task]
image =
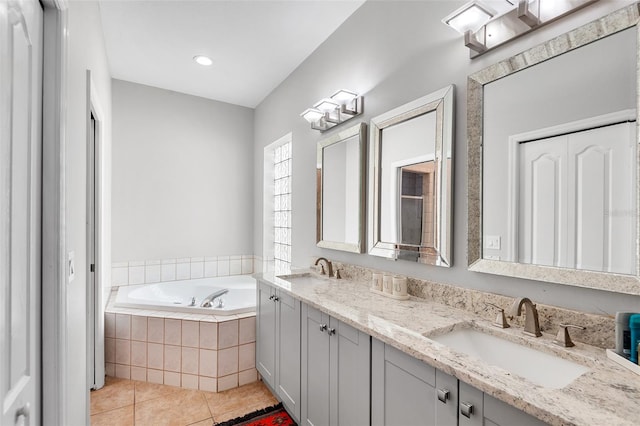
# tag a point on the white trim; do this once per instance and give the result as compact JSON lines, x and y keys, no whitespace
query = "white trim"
{"x":54,"y":272}
{"x":95,"y":307}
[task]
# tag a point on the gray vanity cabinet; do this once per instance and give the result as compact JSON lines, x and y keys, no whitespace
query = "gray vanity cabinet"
{"x":335,"y":371}
{"x":406,"y":391}
{"x":278,"y":344}
{"x":489,"y":411}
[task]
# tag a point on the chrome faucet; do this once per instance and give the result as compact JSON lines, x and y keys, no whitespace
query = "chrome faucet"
{"x":207,"y":302}
{"x":531,"y":323}
{"x":329,"y":270}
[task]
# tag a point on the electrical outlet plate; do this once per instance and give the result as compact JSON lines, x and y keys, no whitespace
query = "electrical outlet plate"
{"x":492,"y":242}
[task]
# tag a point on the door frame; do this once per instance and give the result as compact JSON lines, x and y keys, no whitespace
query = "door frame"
{"x":54,"y":267}
{"x":95,"y":297}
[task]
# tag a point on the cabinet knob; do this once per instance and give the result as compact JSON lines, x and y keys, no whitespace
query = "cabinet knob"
{"x":331,"y":331}
{"x":276,"y":298}
{"x":323,"y":327}
{"x":443,"y":395}
{"x":466,"y":409}
{"x":272,"y":296}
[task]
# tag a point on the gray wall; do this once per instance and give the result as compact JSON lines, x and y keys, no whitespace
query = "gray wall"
{"x":85,"y":52}
{"x":393,"y":53}
{"x":182,"y":175}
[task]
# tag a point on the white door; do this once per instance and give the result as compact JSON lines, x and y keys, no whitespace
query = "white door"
{"x":21,"y":25}
{"x":577,"y":200}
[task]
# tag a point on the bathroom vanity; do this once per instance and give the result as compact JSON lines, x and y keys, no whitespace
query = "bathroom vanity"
{"x":349,"y":356}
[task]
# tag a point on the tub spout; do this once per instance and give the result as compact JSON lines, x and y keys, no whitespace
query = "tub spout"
{"x":207,"y":302}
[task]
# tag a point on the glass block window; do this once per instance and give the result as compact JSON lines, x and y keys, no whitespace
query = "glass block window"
{"x":282,"y":207}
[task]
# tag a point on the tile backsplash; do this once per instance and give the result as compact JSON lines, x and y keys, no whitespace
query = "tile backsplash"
{"x":184,"y":268}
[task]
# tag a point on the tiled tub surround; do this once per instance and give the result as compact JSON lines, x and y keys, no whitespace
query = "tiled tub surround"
{"x":155,"y":271}
{"x":205,"y":352}
{"x":607,"y":394}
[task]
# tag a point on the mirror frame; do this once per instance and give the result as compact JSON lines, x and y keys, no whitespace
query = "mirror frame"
{"x":359,"y":130}
{"x":442,"y":103}
{"x":627,"y":17}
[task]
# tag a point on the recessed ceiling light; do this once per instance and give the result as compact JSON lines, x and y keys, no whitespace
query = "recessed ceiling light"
{"x":203,"y":60}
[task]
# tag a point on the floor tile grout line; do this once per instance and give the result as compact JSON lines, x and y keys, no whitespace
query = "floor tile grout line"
{"x":111,"y":409}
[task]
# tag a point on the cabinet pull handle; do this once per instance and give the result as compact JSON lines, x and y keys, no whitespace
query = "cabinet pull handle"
{"x":23,"y":411}
{"x":466,"y":409}
{"x":323,"y":327}
{"x":443,"y":395}
{"x":331,"y":331}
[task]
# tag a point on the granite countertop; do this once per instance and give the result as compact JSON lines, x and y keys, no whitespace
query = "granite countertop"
{"x":605,"y":394}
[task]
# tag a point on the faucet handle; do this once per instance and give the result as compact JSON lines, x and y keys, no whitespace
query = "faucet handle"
{"x":563,"y":338}
{"x":501,"y":319}
{"x":338,"y":276}
{"x":322,"y":272}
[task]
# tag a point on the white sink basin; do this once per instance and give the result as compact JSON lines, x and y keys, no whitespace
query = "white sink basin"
{"x":538,"y":367}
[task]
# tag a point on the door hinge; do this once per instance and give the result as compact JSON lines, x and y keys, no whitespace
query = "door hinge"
{"x":92,"y":268}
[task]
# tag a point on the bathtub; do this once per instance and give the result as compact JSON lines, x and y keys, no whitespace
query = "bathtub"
{"x":177,"y":296}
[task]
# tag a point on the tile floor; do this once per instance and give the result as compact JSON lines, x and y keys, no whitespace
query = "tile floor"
{"x":126,"y":403}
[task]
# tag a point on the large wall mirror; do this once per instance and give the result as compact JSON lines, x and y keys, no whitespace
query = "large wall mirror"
{"x":553,"y":165}
{"x":410,"y":181}
{"x":341,"y":190}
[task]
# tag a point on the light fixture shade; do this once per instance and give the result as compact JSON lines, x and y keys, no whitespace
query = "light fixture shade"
{"x":344,"y":96}
{"x":203,"y":60}
{"x":327,"y":105}
{"x":312,"y":115}
{"x":470,"y":17}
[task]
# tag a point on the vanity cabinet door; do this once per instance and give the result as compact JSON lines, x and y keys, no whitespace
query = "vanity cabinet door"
{"x":471,"y":405}
{"x":403,"y":388}
{"x":278,"y":345}
{"x":288,"y":353}
{"x":335,"y":371}
{"x":350,"y":351}
{"x":266,"y":333}
{"x":498,"y":413}
{"x":315,"y":367}
{"x":446,"y":401}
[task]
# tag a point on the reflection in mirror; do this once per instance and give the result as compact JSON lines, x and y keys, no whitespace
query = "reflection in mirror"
{"x":411,"y":183}
{"x":552,"y":145}
{"x":340,"y":190}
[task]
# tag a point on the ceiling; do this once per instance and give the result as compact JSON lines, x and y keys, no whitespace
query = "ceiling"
{"x":254,"y":44}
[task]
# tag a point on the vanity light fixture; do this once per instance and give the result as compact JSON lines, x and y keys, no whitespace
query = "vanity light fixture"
{"x":484,"y":30}
{"x":469,"y":17}
{"x":203,"y":60}
{"x":329,"y":112}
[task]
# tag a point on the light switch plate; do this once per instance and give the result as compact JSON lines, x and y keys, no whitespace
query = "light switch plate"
{"x":71,"y":264}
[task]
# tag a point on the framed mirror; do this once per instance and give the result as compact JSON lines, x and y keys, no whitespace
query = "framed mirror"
{"x":553,"y":165}
{"x":410,"y":191}
{"x":341,"y":190}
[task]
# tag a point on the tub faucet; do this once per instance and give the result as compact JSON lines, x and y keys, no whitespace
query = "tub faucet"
{"x":531,"y":323}
{"x":207,"y":302}
{"x":328,"y":263}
